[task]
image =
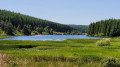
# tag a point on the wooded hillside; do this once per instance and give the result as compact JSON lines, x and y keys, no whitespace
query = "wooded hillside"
{"x":110,"y":27}
{"x":81,"y":28}
{"x":12,"y":23}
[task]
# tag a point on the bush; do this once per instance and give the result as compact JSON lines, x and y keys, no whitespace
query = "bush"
{"x":34,"y":33}
{"x":110,"y":63}
{"x":103,"y":42}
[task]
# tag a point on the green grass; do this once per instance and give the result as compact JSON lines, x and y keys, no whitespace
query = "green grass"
{"x":68,"y":53}
{"x":4,"y":36}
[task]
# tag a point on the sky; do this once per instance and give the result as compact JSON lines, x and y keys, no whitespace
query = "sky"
{"x":79,"y":12}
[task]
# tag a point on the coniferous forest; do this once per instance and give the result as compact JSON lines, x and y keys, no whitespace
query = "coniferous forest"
{"x":12,"y":23}
{"x":81,"y":28}
{"x":110,"y":27}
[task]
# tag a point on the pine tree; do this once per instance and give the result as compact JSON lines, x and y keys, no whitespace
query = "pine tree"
{"x":26,"y":30}
{"x":8,"y":27}
{"x":110,"y":27}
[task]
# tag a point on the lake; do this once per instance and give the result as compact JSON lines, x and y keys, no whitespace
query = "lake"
{"x":50,"y":37}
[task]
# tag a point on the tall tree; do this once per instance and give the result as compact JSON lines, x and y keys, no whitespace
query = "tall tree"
{"x":26,"y":30}
{"x":110,"y":27}
{"x":8,"y":27}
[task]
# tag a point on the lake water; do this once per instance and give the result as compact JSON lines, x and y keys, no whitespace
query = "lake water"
{"x":50,"y":37}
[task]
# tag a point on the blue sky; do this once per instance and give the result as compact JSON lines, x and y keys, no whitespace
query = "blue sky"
{"x":80,"y":12}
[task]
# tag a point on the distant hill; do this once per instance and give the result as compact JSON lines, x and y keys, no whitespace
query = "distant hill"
{"x":12,"y":23}
{"x":81,"y":28}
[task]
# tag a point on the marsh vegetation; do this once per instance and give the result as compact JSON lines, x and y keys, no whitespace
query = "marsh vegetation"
{"x":67,"y":53}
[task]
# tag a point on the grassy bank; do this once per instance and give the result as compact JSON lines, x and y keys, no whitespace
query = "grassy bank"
{"x":68,"y":53}
{"x":4,"y":36}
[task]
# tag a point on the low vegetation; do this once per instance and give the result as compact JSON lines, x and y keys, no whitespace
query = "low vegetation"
{"x":110,"y":62}
{"x":4,"y":36}
{"x":103,"y":42}
{"x":67,"y":53}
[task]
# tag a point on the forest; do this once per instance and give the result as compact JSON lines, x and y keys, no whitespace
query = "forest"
{"x":81,"y":28}
{"x":108,"y":28}
{"x":12,"y":23}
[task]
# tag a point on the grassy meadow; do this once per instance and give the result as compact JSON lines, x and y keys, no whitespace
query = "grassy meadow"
{"x":67,"y":53}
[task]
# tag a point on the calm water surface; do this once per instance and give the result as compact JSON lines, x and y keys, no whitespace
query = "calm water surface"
{"x":50,"y":37}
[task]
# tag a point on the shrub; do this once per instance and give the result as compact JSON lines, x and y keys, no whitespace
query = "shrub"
{"x":103,"y":42}
{"x":34,"y":33}
{"x":101,"y":34}
{"x":110,"y":63}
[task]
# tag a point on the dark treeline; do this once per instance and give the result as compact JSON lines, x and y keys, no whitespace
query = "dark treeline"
{"x":11,"y":22}
{"x":81,"y":28}
{"x":110,"y":27}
